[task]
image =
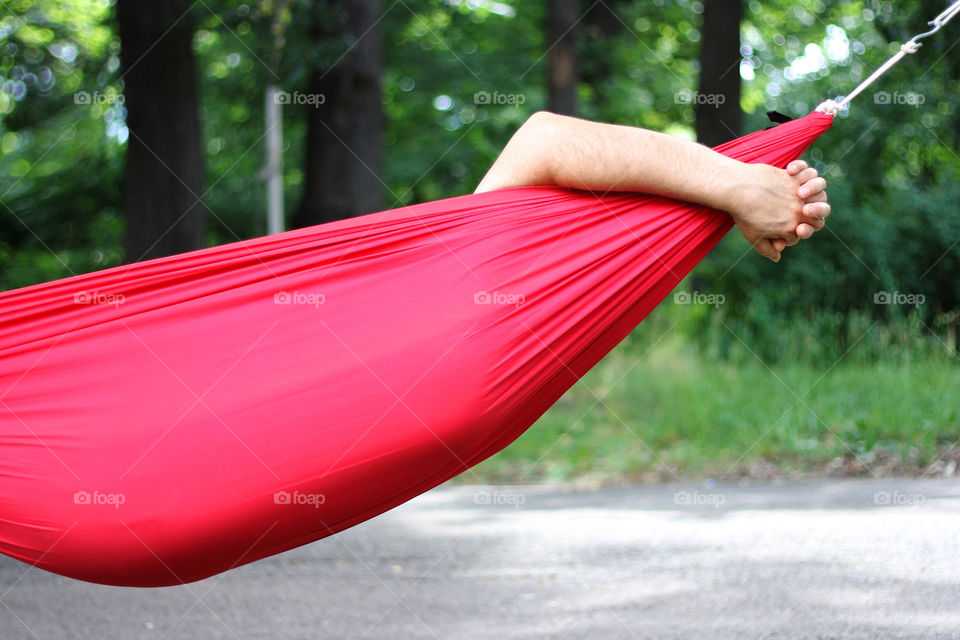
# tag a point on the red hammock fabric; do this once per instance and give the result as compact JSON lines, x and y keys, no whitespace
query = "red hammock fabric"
{"x":168,"y":420}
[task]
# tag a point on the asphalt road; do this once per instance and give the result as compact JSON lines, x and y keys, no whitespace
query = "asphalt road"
{"x":839,"y":559}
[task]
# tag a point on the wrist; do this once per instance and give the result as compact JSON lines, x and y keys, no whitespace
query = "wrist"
{"x":737,"y":187}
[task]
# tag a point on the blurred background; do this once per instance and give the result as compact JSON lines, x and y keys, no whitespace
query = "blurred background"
{"x":135,"y":130}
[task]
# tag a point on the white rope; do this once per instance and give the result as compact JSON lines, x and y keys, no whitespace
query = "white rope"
{"x":908,"y":47}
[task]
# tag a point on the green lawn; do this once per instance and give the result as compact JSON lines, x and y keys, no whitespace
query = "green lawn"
{"x":666,"y":411}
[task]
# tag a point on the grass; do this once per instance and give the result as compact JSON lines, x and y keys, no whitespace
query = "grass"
{"x":668,"y":412}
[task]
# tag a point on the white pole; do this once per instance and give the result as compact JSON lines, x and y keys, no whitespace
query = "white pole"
{"x":274,"y":169}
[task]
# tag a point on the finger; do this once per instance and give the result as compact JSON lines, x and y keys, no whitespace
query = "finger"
{"x":807,"y":175}
{"x":796,"y":167}
{"x":820,"y":196}
{"x":779,"y":244}
{"x":811,"y":187}
{"x":816,"y":210}
{"x":804,"y":230}
{"x":791,"y":239}
{"x":765,"y":248}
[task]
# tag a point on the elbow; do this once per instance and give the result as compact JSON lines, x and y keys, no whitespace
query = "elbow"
{"x":541,"y":121}
{"x":529,"y":156}
{"x":540,"y":127}
{"x":539,"y":138}
{"x":540,"y":116}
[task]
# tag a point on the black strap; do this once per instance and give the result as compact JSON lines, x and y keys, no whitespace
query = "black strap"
{"x":779,"y":118}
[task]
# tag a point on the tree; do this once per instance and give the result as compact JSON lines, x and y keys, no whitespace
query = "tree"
{"x":343,"y":154}
{"x":163,"y":181}
{"x":718,"y":101}
{"x":562,"y":17}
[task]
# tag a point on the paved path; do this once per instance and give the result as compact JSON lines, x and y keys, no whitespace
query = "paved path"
{"x":849,"y":559}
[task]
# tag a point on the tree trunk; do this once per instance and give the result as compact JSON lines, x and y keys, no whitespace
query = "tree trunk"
{"x":163,"y":181}
{"x":344,"y":146}
{"x":718,"y":100}
{"x":562,"y":16}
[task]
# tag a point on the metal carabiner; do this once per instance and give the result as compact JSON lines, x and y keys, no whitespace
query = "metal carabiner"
{"x":937,"y":23}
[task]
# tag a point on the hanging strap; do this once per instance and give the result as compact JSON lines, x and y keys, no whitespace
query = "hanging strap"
{"x":908,"y":47}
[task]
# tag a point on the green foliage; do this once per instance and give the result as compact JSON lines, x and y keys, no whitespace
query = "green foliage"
{"x":658,"y":408}
{"x":60,"y":140}
{"x":870,"y":265}
{"x":442,"y":60}
{"x":235,"y":45}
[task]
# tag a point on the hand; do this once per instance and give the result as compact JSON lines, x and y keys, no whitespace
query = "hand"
{"x":774,"y":208}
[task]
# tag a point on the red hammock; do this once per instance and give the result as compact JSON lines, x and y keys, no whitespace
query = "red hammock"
{"x":168,"y":420}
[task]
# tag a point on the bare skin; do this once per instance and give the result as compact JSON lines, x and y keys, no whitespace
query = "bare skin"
{"x":773,"y":208}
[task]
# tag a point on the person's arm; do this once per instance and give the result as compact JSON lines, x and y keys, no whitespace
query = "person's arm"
{"x":773,"y":208}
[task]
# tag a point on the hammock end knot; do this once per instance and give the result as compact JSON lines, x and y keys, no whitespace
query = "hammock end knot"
{"x":829,"y":106}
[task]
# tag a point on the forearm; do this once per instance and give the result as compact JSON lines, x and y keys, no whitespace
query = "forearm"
{"x":773,"y":207}
{"x":558,"y":150}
